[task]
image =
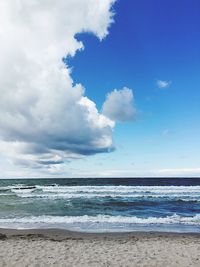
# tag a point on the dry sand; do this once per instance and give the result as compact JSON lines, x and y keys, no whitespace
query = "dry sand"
{"x":63,"y":248}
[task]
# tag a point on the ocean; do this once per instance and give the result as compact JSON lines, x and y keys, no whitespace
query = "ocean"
{"x":101,"y":205}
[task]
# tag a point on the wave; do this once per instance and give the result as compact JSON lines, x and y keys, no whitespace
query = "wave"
{"x":20,"y":188}
{"x":22,"y":191}
{"x":120,"y":189}
{"x":103,"y":189}
{"x":121,"y":198}
{"x":184,"y":198}
{"x":176,"y":193}
{"x":173,"y":219}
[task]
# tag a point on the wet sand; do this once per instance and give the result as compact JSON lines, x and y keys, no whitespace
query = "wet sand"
{"x":54,"y":247}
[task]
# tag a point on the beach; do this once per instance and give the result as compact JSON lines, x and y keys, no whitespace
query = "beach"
{"x":64,"y":248}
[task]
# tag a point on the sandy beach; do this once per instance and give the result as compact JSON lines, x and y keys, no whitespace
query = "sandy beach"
{"x":62,"y":248}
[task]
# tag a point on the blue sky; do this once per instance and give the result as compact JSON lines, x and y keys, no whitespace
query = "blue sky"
{"x":149,"y":41}
{"x":49,"y":125}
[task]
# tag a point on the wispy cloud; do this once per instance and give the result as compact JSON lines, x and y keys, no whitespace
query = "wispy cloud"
{"x":163,"y":84}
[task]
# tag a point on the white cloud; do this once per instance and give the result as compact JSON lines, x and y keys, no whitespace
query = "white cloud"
{"x":45,"y":117}
{"x":163,"y":84}
{"x":119,"y":105}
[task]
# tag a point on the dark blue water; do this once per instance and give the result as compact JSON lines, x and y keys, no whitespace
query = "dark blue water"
{"x":114,"y":204}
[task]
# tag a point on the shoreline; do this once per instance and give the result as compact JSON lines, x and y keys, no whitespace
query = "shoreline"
{"x":62,"y":234}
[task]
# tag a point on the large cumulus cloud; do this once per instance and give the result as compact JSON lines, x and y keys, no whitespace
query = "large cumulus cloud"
{"x":45,"y":118}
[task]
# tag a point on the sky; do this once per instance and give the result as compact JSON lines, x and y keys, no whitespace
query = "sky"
{"x":94,"y":88}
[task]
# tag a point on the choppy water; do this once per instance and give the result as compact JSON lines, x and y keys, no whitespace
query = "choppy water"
{"x":98,"y":205}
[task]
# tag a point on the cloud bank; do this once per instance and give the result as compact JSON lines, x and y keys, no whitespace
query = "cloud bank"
{"x":46,"y":119}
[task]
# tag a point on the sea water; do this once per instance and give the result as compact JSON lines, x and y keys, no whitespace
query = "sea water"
{"x":101,"y":205}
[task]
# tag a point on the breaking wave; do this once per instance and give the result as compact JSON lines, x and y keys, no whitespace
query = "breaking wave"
{"x":95,"y":222}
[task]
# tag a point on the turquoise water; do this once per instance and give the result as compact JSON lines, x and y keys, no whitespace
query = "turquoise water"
{"x":99,"y":205}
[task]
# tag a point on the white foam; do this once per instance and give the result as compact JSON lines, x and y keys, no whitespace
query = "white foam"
{"x":184,"y":197}
{"x":6,"y":194}
{"x":121,"y":189}
{"x":174,"y":219}
{"x":22,"y":191}
{"x":68,"y":192}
